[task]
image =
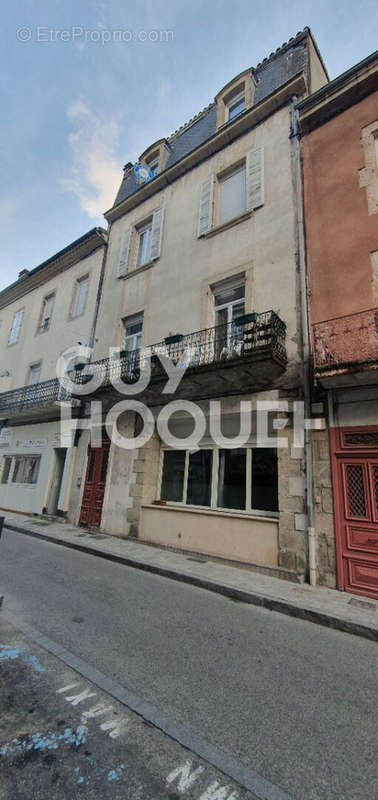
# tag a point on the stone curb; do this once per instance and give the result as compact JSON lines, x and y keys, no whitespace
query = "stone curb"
{"x":262,"y":600}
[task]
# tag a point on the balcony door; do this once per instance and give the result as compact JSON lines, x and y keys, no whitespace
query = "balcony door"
{"x":94,"y":487}
{"x":229,"y":304}
{"x":356,"y":510}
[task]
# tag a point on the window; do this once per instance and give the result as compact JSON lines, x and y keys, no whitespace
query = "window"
{"x":7,"y":462}
{"x":228,"y":306}
{"x":34,"y":373}
{"x":23,"y":469}
{"x":232,"y":195}
{"x":238,"y":479}
{"x":144,"y":244}
{"x":16,"y":327}
{"x":80,"y":296}
{"x":46,"y":312}
{"x":153,"y":166}
{"x":132,"y":332}
{"x":236,"y":106}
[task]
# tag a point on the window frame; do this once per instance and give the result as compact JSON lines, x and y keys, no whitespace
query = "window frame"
{"x":232,"y":102}
{"x":222,"y":177}
{"x":247,"y":511}
{"x":130,"y":320}
{"x":41,"y":328}
{"x":23,"y":458}
{"x":142,"y":228}
{"x":29,"y":373}
{"x":14,"y":341}
{"x":75,"y":294}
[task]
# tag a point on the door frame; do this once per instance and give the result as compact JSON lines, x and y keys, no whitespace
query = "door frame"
{"x":340,"y":451}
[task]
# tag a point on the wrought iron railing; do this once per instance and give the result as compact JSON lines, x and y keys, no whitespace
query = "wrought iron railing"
{"x":37,"y":395}
{"x":223,"y":343}
{"x":348,"y":340}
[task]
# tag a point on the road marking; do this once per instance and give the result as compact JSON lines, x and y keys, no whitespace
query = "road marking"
{"x":228,"y":765}
{"x":216,"y":792}
{"x":66,"y":688}
{"x":115,"y":727}
{"x":186,"y":778}
{"x":75,"y":699}
{"x":96,"y":711}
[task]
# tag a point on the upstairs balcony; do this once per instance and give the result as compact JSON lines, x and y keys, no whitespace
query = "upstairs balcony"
{"x":245,"y":355}
{"x":36,"y":403}
{"x":346,"y":350}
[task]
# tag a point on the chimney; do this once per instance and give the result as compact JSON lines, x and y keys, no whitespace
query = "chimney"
{"x":23,"y":273}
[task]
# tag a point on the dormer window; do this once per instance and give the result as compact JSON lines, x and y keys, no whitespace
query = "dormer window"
{"x":236,"y":106}
{"x":153,"y":166}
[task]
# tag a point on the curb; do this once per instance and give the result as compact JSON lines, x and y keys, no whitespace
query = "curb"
{"x":261,"y":600}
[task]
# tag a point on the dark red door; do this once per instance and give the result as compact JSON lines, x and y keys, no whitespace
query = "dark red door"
{"x":356,"y":515}
{"x":94,"y":488}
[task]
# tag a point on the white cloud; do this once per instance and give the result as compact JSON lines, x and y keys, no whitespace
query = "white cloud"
{"x":95,"y":172}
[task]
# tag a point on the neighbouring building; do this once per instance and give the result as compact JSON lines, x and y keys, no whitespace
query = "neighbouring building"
{"x":203,"y":258}
{"x":46,"y":311}
{"x":339,"y":147}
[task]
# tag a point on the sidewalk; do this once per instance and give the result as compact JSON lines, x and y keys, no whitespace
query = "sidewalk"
{"x":339,"y":610}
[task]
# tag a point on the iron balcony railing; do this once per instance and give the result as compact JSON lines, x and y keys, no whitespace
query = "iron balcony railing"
{"x":223,"y":343}
{"x":348,"y":340}
{"x":37,"y":395}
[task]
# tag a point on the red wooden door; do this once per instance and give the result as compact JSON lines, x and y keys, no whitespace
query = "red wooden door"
{"x":357,"y":523}
{"x":94,"y":488}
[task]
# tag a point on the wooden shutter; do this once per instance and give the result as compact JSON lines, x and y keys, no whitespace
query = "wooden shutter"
{"x":124,"y":253}
{"x":157,"y":233}
{"x":255,"y":177}
{"x":206,"y":206}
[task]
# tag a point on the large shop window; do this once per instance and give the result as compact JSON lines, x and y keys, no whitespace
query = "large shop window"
{"x":239,"y":479}
{"x":20,"y":469}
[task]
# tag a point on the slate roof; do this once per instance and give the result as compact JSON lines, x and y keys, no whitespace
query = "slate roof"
{"x":289,"y":60}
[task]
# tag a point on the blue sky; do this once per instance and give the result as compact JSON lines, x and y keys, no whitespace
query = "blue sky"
{"x":74,"y":110}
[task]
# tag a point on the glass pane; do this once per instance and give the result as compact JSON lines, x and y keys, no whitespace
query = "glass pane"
{"x":144,"y":246}
{"x":264,"y":479}
{"x":172,"y":484}
{"x":236,"y":108}
{"x":104,"y":465}
{"x":31,"y":470}
{"x":6,"y":470}
{"x":81,"y":294}
{"x":199,"y":478}
{"x":17,"y":472}
{"x":232,"y":478}
{"x":229,"y":295}
{"x":232,"y":190}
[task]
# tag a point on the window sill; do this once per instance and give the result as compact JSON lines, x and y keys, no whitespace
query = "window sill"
{"x":274,"y":517}
{"x":226,"y":225}
{"x":138,"y":270}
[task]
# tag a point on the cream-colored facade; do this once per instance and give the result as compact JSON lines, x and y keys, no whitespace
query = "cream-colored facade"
{"x":196,"y":254}
{"x":57,"y":301}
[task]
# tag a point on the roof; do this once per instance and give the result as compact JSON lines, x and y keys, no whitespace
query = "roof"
{"x":282,"y":65}
{"x":63,"y":259}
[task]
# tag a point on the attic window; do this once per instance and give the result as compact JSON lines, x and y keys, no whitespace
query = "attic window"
{"x":236,"y":106}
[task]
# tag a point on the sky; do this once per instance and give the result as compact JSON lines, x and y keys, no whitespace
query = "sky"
{"x":88,"y":85}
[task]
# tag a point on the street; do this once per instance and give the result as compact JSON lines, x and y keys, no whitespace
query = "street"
{"x":292,"y":702}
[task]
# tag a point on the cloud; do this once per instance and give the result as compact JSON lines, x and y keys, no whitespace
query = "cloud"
{"x":95,"y":172}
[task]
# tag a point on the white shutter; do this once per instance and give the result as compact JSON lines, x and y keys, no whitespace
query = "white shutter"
{"x":255,"y":178}
{"x":206,"y":206}
{"x":124,"y":253}
{"x":157,"y":233}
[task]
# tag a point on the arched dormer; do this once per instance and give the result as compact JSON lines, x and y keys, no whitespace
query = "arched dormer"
{"x":155,"y":157}
{"x":235,"y":98}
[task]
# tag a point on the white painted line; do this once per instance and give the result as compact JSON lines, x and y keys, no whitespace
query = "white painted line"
{"x":185,"y":777}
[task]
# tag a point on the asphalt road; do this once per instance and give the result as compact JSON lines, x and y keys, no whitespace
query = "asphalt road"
{"x":293,"y":701}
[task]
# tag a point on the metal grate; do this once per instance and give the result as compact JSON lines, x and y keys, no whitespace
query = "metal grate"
{"x":361,"y":439}
{"x":355,"y":490}
{"x":375,"y":488}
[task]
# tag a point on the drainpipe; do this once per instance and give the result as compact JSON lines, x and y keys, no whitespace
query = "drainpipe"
{"x":305,"y":341}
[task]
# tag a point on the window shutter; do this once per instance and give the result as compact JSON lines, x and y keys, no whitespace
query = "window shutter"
{"x":206,"y":206}
{"x":157,"y":233}
{"x":255,"y":178}
{"x":124,"y":253}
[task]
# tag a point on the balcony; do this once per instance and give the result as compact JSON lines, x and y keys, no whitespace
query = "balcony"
{"x":40,"y":401}
{"x":226,"y":359}
{"x":346,"y":349}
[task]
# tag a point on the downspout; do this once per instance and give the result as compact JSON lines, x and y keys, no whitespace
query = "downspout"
{"x":309,"y":502}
